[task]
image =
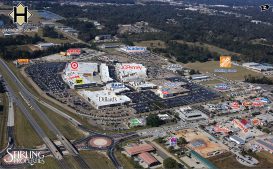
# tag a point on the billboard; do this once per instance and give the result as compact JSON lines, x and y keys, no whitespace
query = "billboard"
{"x":173,"y":141}
{"x":222,"y":86}
{"x":257,"y":104}
{"x":74,"y":76}
{"x":247,"y":103}
{"x":256,"y":122}
{"x":225,"y":61}
{"x":240,"y":125}
{"x":73,"y":51}
{"x":135,"y":49}
{"x":74,"y":66}
{"x":23,"y":61}
{"x":117,"y":85}
{"x":235,"y":105}
{"x":219,"y":129}
{"x":135,"y":122}
{"x":79,"y":81}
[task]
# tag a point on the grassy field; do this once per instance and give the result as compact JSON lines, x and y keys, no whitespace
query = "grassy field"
{"x":124,"y":161}
{"x":227,"y":161}
{"x":66,"y":128}
{"x":25,"y":136}
{"x":151,"y":44}
{"x":35,"y":18}
{"x":265,"y":156}
{"x":211,"y":48}
{"x":211,"y":82}
{"x":3,"y":120}
{"x":72,"y":163}
{"x":50,"y":162}
{"x":97,"y":160}
{"x":52,"y":40}
{"x":211,"y":65}
{"x":43,"y":125}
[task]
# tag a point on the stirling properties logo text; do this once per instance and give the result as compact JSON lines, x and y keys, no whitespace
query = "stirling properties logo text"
{"x":24,"y":157}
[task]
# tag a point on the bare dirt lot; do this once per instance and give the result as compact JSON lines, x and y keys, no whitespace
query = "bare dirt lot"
{"x":200,"y":143}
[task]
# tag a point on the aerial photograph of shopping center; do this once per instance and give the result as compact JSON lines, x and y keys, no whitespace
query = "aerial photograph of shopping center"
{"x":136,"y":84}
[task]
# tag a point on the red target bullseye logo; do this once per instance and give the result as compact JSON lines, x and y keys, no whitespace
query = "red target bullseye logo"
{"x":74,"y":65}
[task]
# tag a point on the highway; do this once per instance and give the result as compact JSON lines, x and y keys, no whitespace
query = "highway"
{"x":111,"y":155}
{"x":25,"y":94}
{"x":10,"y":122}
{"x":35,"y":125}
{"x":10,"y":126}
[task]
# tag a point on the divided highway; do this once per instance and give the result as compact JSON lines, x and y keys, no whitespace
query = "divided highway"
{"x":35,"y":125}
{"x":27,"y":96}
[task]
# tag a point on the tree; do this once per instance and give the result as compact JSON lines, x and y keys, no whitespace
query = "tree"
{"x":192,"y":72}
{"x":182,"y":140}
{"x":160,"y":140}
{"x":171,"y":149}
{"x":2,"y":88}
{"x":50,"y":32}
{"x":266,"y":130}
{"x":153,"y":120}
{"x":170,"y":163}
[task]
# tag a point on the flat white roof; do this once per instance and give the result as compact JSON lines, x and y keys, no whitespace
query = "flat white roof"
{"x":142,"y":84}
{"x":104,"y":97}
{"x":116,"y":87}
{"x":131,"y":71}
{"x":104,"y":72}
{"x":83,"y":67}
{"x":199,"y":76}
{"x":133,"y":49}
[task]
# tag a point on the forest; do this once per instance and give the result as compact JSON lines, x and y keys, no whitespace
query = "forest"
{"x":235,"y":34}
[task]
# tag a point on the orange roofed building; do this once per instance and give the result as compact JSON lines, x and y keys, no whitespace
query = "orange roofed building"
{"x":148,"y":158}
{"x":135,"y":150}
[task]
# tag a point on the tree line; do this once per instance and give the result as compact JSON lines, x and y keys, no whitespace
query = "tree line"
{"x":259,"y":80}
{"x":226,"y":31}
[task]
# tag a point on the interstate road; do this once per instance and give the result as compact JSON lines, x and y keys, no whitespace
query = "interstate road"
{"x":10,"y":122}
{"x":35,"y":125}
{"x":10,"y":125}
{"x":32,"y":102}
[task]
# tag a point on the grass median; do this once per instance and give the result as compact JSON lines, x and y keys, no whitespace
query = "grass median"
{"x":97,"y":160}
{"x":50,"y":162}
{"x":25,"y":135}
{"x":3,"y":120}
{"x":65,"y":127}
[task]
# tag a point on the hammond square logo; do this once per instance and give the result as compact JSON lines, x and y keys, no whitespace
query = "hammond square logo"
{"x":20,"y":14}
